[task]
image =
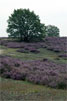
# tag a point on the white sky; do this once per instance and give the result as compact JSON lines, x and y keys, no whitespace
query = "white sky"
{"x":52,"y":12}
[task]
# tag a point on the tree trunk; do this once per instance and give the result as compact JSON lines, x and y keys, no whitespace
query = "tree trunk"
{"x":20,"y":37}
{"x":26,"y":39}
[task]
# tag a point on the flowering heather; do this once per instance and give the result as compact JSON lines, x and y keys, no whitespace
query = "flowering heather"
{"x":56,"y":44}
{"x":63,"y":56}
{"x":22,"y":51}
{"x":28,"y":49}
{"x":44,"y":71}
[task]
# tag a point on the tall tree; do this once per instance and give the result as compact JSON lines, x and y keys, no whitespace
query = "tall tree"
{"x":25,"y":25}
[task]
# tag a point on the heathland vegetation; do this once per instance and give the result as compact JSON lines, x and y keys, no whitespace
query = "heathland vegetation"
{"x":33,"y":60}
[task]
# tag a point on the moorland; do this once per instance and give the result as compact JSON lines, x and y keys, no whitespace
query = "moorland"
{"x":34,"y":71}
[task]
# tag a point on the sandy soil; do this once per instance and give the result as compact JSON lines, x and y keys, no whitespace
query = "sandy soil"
{"x":1,"y":51}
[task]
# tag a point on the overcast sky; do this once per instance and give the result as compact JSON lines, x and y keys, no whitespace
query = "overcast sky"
{"x":52,"y":12}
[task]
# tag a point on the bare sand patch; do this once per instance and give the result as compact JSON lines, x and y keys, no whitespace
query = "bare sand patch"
{"x":1,"y":51}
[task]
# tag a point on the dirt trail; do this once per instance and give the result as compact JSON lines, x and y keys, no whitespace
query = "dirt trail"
{"x":1,"y":51}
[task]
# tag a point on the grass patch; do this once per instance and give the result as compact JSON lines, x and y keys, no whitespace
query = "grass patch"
{"x":44,"y":53}
{"x":11,"y":90}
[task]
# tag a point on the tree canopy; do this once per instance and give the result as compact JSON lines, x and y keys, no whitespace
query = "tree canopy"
{"x":52,"y":31}
{"x":25,"y":26}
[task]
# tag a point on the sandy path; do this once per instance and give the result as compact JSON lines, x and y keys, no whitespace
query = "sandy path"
{"x":1,"y":51}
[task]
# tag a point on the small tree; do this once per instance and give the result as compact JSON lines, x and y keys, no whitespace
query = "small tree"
{"x":25,"y":25}
{"x":52,"y":31}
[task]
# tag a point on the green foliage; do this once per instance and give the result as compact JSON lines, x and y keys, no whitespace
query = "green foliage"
{"x":25,"y":26}
{"x":52,"y":31}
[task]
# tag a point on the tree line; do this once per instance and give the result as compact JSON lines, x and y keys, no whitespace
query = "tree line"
{"x":25,"y":25}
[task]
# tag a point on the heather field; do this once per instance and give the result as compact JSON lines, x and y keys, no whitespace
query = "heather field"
{"x":33,"y":71}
